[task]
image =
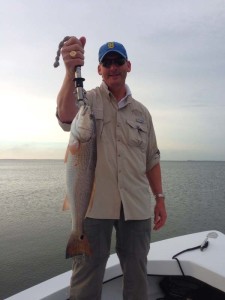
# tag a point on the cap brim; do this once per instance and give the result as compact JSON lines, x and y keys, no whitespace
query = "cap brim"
{"x":120,"y":53}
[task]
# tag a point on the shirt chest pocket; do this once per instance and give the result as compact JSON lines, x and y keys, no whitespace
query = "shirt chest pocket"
{"x":101,"y":124}
{"x":137,"y":134}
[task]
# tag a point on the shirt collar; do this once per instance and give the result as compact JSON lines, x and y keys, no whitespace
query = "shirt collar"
{"x":123,"y":102}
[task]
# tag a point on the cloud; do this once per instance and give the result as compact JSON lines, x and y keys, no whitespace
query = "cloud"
{"x":178,"y":69}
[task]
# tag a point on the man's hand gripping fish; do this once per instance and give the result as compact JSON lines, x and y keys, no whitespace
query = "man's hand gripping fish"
{"x":80,"y":171}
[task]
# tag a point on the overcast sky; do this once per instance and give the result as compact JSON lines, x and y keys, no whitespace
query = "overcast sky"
{"x":177,"y":51}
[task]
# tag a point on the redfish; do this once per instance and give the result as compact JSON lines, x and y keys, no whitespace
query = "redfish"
{"x":80,"y":160}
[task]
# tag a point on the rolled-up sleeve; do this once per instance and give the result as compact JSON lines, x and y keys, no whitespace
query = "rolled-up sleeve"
{"x":153,"y":153}
{"x":64,"y":126}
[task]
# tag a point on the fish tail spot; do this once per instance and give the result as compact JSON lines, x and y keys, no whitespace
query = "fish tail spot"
{"x":78,"y":245}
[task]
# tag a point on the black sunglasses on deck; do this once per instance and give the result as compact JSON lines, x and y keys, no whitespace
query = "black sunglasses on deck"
{"x":115,"y":61}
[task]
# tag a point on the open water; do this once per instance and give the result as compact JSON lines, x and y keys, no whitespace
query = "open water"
{"x":34,"y":230}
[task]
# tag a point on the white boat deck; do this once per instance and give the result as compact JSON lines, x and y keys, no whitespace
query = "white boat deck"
{"x":207,"y":266}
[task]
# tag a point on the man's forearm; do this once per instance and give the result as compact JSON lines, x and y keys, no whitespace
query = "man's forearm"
{"x":155,"y":179}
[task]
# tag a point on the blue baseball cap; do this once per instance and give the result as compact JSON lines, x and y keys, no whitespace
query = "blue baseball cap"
{"x":111,"y":47}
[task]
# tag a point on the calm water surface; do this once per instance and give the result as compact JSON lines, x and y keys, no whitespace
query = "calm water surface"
{"x":34,"y":230}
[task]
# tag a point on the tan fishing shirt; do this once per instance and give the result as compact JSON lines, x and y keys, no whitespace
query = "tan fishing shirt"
{"x":126,"y":150}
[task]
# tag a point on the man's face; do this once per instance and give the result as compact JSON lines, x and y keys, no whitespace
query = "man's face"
{"x":113,"y":69}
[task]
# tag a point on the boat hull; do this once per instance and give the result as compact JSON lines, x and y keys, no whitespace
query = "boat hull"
{"x":207,"y":266}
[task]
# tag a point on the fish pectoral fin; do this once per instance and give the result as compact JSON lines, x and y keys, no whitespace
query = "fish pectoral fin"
{"x":73,"y":148}
{"x":77,"y":245}
{"x":66,"y":204}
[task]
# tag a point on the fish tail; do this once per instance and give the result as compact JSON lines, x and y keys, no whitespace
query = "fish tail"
{"x":77,"y":245}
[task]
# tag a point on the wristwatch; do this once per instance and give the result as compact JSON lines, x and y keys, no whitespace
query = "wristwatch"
{"x":159,"y":196}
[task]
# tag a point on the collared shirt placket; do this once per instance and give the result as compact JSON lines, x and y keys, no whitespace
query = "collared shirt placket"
{"x":120,"y":153}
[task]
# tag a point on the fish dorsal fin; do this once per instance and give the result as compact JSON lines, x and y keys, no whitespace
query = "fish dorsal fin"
{"x":66,"y":155}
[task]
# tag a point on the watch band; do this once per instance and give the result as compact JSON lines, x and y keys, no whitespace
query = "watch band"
{"x":159,"y":196}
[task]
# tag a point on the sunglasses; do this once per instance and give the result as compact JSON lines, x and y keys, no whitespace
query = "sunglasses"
{"x":107,"y":63}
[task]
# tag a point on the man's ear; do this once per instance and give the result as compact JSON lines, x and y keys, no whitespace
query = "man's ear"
{"x":128,"y":66}
{"x":99,"y":70}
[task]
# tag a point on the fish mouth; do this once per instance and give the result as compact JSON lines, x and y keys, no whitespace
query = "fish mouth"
{"x":85,"y":109}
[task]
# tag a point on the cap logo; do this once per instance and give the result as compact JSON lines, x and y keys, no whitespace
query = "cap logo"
{"x":111,"y":45}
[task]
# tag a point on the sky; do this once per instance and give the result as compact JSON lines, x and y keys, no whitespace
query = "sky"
{"x":177,"y":52}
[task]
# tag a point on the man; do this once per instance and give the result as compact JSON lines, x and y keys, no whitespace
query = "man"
{"x":128,"y":163}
